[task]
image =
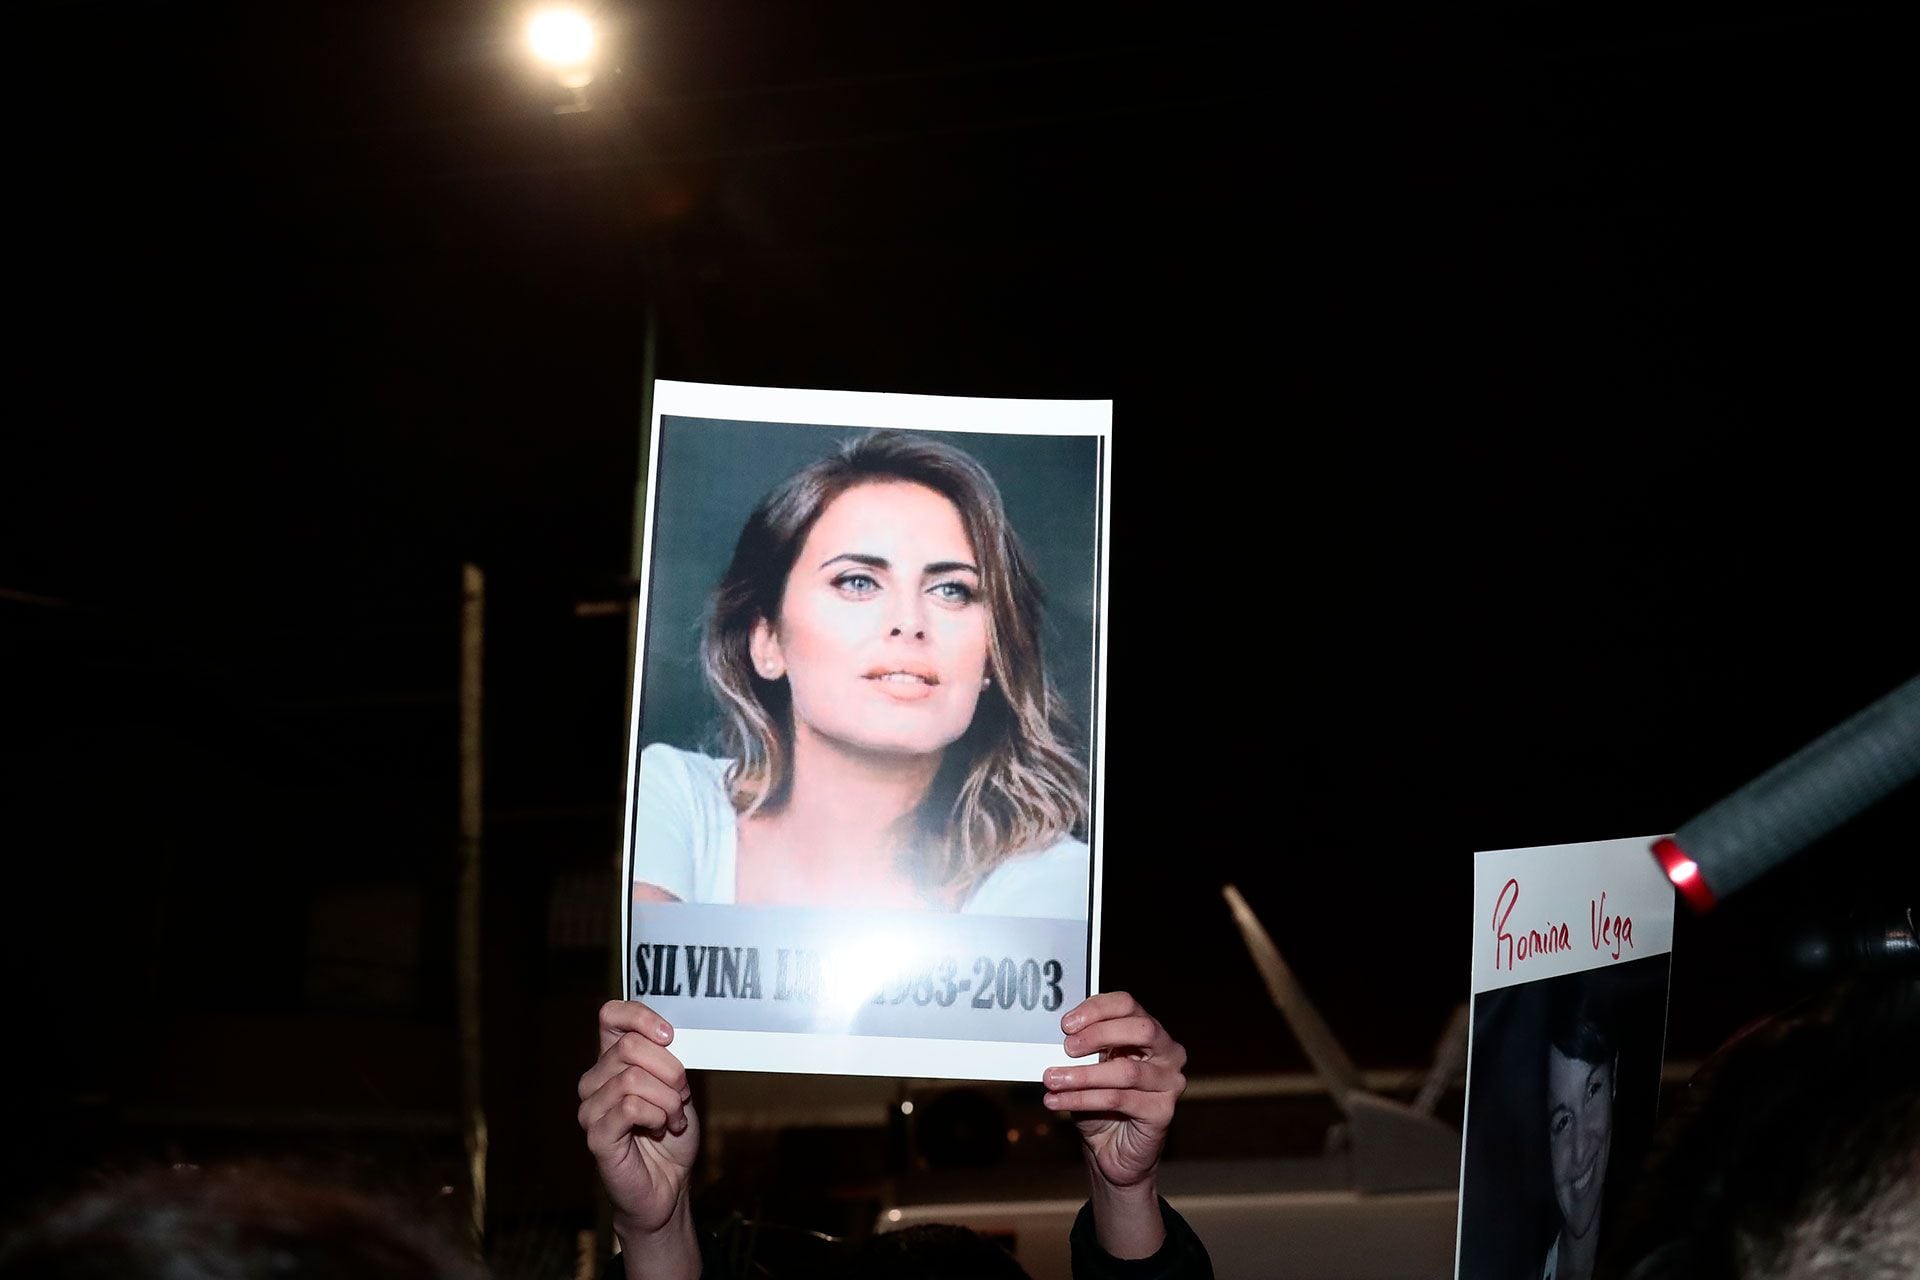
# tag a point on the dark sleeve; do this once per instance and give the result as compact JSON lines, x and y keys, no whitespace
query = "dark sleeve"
{"x":1182,"y":1257}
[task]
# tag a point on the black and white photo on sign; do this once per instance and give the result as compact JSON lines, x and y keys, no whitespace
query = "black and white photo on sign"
{"x":864,"y":794}
{"x":1572,"y":955}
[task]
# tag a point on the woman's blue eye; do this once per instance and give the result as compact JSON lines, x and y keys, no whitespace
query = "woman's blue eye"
{"x":955,"y":592}
{"x":859,"y":584}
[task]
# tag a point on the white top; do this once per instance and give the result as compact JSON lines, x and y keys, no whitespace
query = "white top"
{"x":686,"y":841}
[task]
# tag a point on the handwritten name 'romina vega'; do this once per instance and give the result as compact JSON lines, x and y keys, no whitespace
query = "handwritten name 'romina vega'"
{"x":1611,"y":934}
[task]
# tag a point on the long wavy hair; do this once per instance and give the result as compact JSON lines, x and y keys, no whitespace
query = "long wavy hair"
{"x":1009,"y":785}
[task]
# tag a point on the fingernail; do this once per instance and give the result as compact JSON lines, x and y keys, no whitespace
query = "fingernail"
{"x":1050,"y":1100}
{"x":1059,"y":1079}
{"x":663,"y":1033}
{"x":1072,"y":1022}
{"x":677,"y":1126}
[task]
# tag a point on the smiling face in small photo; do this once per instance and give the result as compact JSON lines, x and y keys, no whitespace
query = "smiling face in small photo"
{"x":883,"y":630}
{"x":1579,"y":1133}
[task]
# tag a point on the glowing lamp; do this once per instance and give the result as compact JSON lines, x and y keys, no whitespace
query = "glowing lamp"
{"x":560,"y":37}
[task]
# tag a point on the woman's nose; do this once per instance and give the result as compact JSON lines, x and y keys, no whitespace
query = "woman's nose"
{"x":909,"y":618}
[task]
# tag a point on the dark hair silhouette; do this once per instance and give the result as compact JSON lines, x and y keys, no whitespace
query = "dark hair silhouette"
{"x":1797,"y":1150}
{"x":232,"y":1224}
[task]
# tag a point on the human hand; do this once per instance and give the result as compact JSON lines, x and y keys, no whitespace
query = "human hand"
{"x":1122,"y":1104}
{"x":637,"y":1112}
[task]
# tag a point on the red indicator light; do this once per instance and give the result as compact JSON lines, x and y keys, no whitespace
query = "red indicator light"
{"x":1684,"y":872}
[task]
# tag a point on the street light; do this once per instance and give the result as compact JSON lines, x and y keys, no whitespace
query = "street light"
{"x":562,"y":39}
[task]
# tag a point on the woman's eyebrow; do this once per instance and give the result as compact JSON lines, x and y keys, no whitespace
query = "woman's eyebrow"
{"x":881,"y":562}
{"x":855,"y":557}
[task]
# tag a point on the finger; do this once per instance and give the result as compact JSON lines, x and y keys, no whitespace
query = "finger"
{"x":632,"y":1051}
{"x":640,"y":1085}
{"x":634,"y":1082}
{"x":623,"y":1106}
{"x":1108,"y":1004}
{"x":620,"y":1016}
{"x":1143,"y":1074}
{"x":1135,"y":1104}
{"x":609,"y":1132}
{"x":1140,"y":1032}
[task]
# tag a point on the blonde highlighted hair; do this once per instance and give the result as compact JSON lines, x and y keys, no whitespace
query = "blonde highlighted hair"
{"x":1009,"y":785}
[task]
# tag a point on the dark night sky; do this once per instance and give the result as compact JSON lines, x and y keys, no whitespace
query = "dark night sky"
{"x":1508,"y":443}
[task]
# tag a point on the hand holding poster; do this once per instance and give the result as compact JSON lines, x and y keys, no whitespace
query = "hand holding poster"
{"x":1571,"y":955}
{"x":863,"y":820}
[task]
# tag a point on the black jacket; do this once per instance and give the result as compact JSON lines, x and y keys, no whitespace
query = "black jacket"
{"x":1182,"y":1257}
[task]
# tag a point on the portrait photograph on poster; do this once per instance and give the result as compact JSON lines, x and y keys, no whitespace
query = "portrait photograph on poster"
{"x":1572,"y":956}
{"x":862,"y":831}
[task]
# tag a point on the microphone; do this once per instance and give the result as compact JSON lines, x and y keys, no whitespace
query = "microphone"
{"x":1793,"y":804}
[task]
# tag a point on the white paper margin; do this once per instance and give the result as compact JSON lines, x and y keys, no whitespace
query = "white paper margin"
{"x":906,"y":1057}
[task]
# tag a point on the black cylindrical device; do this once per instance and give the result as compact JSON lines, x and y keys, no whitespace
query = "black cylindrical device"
{"x":1793,"y":804}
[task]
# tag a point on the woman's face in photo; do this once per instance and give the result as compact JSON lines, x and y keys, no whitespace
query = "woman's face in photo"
{"x":883,"y":628}
{"x":1579,"y":1131}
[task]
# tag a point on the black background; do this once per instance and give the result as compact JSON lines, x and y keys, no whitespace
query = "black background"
{"x":1516,"y":452}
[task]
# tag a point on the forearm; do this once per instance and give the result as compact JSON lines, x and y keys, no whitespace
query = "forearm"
{"x":670,"y":1252}
{"x":1180,"y":1256}
{"x":1126,"y":1219}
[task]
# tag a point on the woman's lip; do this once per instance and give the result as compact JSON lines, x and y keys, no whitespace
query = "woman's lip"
{"x":904,"y":686}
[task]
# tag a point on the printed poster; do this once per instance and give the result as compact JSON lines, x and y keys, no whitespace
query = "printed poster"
{"x":863,"y":821}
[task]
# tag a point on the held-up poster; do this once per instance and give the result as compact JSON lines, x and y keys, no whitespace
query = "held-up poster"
{"x":1572,"y":947}
{"x":863,"y":805}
